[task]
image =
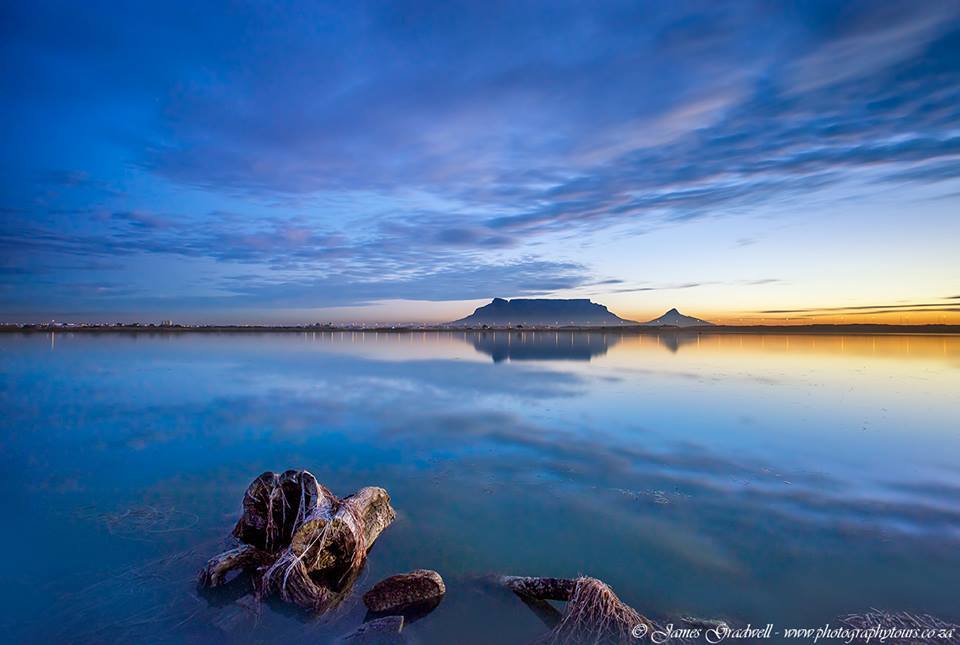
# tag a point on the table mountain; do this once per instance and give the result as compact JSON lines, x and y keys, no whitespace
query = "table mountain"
{"x":542,"y":312}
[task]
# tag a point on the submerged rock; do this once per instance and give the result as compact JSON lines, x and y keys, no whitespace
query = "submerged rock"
{"x":405,"y":591}
{"x":538,"y":588}
{"x":382,"y":631}
{"x":239,"y":617}
{"x":705,"y":623}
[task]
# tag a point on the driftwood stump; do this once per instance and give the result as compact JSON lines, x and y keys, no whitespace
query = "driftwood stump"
{"x":307,"y":544}
{"x":274,"y":506}
{"x":329,"y":549}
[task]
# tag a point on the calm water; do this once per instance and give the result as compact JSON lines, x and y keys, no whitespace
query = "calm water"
{"x":785,"y":479}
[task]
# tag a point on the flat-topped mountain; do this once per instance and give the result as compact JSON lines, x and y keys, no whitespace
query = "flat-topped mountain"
{"x":674,"y":318}
{"x":543,"y":312}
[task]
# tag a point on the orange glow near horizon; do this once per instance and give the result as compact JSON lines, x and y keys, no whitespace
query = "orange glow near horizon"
{"x":630,"y":350}
{"x":719,"y":307}
{"x":825,"y":316}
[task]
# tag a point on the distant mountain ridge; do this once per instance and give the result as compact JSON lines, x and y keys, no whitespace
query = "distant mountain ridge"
{"x":554,"y":312}
{"x":674,"y":318}
{"x":542,"y":311}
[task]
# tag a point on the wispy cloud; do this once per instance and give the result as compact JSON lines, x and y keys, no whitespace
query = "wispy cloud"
{"x":862,"y":308}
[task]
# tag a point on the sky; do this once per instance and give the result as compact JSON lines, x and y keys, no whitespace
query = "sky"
{"x":306,"y":162}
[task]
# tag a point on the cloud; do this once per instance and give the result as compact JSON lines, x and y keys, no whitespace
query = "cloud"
{"x":308,"y":267}
{"x":823,"y":98}
{"x":141,"y":220}
{"x":932,"y":172}
{"x":693,"y":285}
{"x":449,"y":281}
{"x":666,"y":287}
{"x":931,"y":310}
{"x":862,"y":308}
{"x":386,"y":147}
{"x":869,"y":44}
{"x":476,"y":143}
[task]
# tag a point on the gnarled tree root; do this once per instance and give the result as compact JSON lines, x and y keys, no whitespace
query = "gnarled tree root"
{"x":329,"y":549}
{"x":275,"y":505}
{"x":593,"y":614}
{"x":311,"y":544}
{"x":244,"y":558}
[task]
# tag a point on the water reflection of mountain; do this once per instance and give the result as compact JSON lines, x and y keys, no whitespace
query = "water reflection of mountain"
{"x":542,"y":345}
{"x":674,"y":341}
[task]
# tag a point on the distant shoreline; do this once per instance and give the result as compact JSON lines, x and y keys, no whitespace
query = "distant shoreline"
{"x":871,"y":329}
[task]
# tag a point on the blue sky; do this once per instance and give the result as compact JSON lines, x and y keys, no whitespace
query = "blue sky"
{"x":294,"y":162}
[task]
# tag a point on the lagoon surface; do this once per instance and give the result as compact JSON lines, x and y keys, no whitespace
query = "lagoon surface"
{"x":785,"y":478}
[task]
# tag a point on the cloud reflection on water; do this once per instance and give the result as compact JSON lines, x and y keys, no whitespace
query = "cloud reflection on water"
{"x":612,"y":467}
